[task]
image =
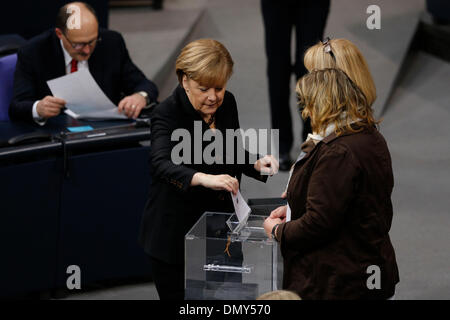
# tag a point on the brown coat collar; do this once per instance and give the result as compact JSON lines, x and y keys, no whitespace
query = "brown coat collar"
{"x":309,"y":147}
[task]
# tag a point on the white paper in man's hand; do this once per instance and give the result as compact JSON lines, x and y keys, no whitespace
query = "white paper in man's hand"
{"x":240,"y":207}
{"x":85,"y":99}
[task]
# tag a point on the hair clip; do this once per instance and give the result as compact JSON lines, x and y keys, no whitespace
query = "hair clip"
{"x":326,"y":44}
{"x":327,"y":47}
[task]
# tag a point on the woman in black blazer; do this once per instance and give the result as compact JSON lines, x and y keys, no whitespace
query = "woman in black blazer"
{"x":181,"y":192}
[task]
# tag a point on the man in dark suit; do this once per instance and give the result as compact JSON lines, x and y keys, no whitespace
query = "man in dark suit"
{"x":308,"y":17}
{"x":77,"y":43}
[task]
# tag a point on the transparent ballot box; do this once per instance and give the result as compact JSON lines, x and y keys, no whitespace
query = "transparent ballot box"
{"x":225,"y":259}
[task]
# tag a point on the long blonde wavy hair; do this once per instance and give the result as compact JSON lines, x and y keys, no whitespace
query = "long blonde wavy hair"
{"x":329,"y":96}
{"x":347,"y":57}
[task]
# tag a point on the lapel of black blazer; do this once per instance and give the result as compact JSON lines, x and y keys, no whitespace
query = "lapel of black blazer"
{"x":96,"y":64}
{"x":97,"y":59}
{"x":58,"y":63}
{"x":188,"y":108}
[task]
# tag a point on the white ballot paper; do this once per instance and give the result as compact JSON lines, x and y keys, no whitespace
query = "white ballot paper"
{"x":288,"y":213}
{"x":240,"y":207}
{"x":84,"y":98}
{"x":288,"y":209}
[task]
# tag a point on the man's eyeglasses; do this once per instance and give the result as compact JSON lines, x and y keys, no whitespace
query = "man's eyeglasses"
{"x":327,"y":48}
{"x":80,"y":45}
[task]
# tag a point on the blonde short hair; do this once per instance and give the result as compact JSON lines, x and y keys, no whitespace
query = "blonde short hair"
{"x":329,"y":96}
{"x":347,"y":57}
{"x":206,"y":61}
{"x":279,"y":295}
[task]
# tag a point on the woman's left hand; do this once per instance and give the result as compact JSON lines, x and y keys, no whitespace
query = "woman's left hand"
{"x":269,"y":223}
{"x":267,"y":165}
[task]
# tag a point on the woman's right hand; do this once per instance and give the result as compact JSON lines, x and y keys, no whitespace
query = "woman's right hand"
{"x":216,"y":182}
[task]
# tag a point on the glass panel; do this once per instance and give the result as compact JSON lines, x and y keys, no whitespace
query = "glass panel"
{"x":221,"y":264}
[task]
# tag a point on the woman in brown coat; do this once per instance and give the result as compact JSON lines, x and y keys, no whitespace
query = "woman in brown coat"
{"x":336,"y":244}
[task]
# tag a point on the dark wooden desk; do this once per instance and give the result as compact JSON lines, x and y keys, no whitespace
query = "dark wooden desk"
{"x":72,"y":201}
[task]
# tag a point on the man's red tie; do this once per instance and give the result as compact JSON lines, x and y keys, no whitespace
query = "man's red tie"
{"x":74,"y":66}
